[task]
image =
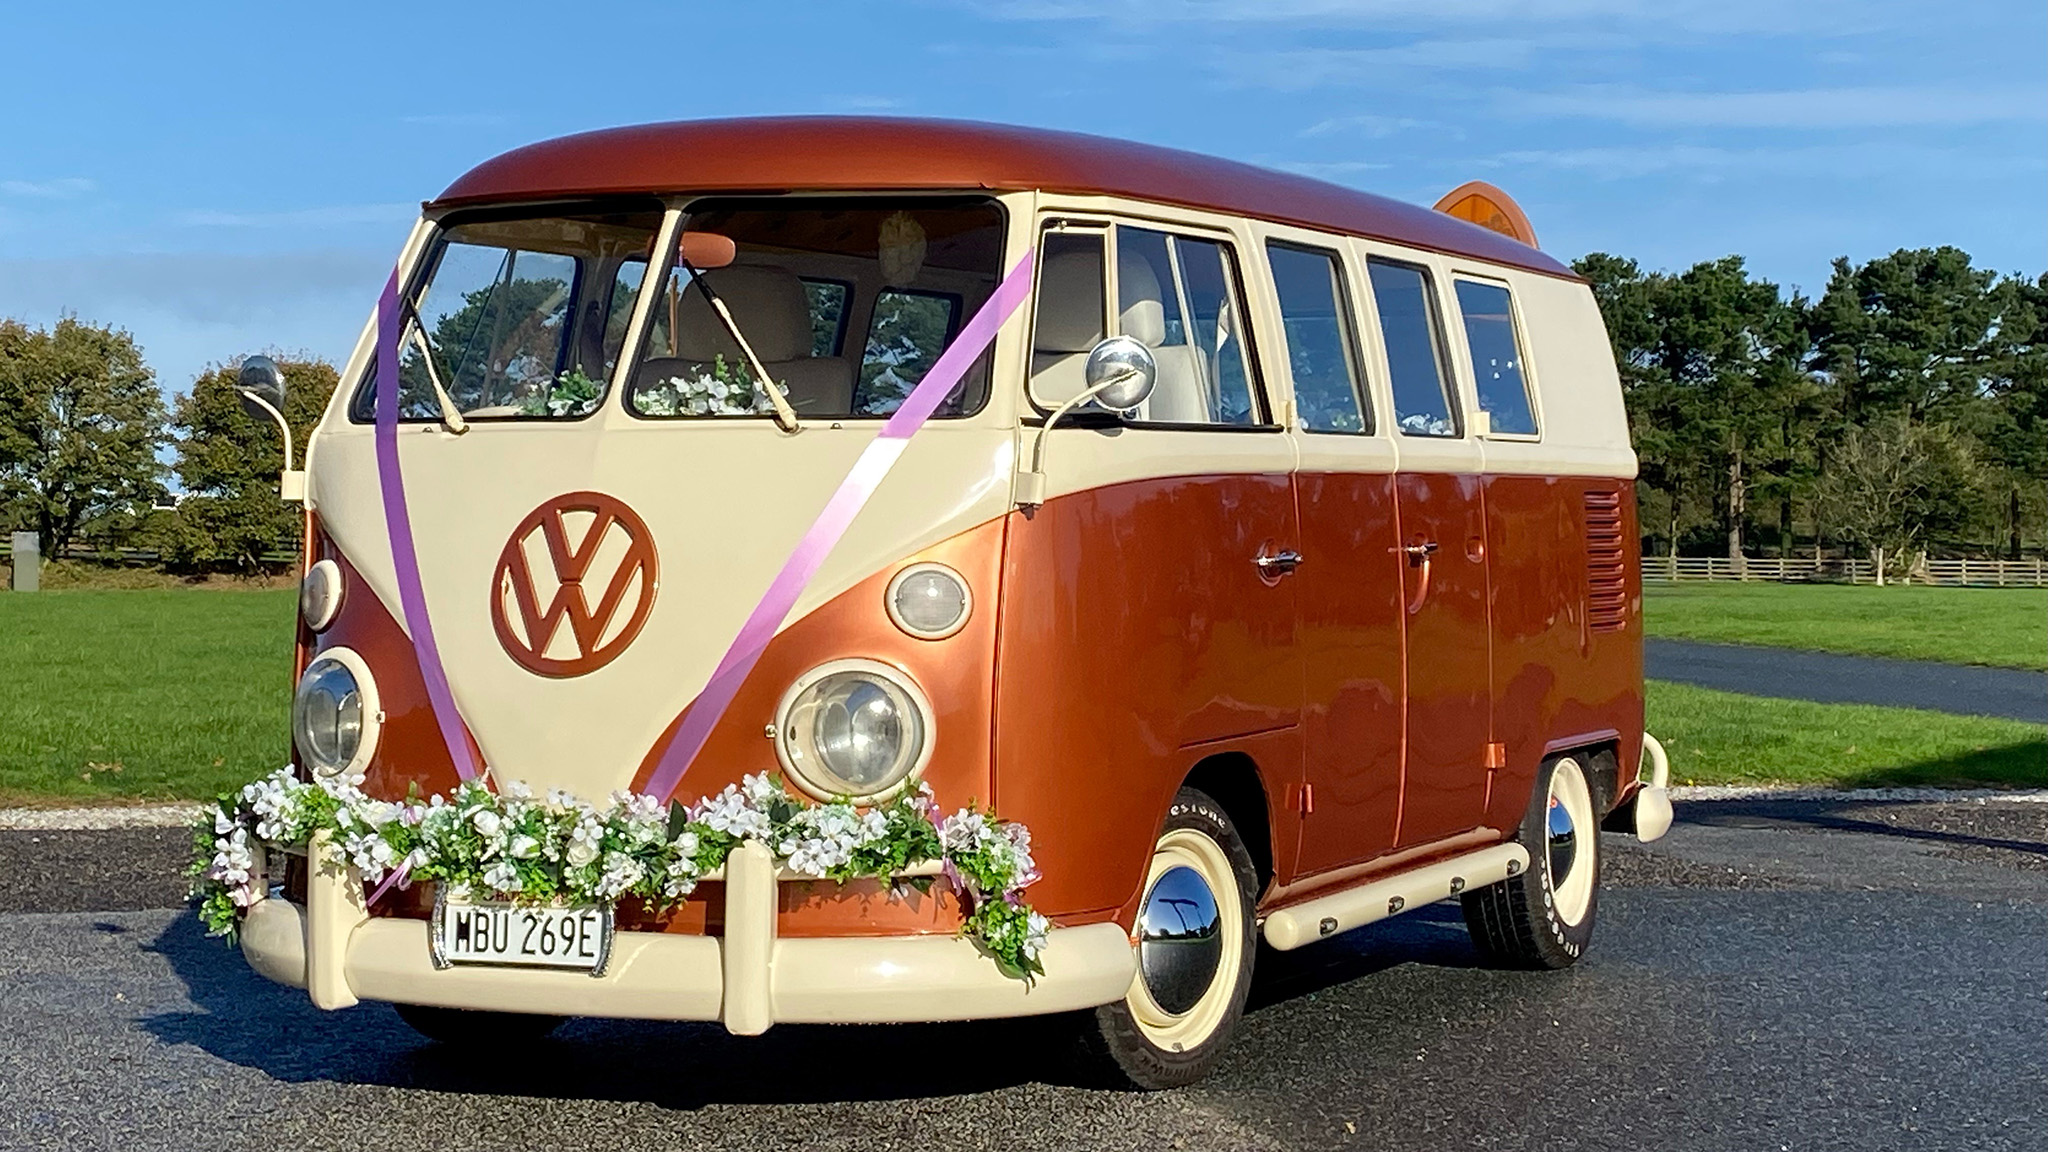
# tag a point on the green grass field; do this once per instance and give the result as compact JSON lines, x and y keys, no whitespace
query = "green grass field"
{"x":141,"y":695}
{"x":113,"y":696}
{"x":1724,"y":738}
{"x":2004,"y":627}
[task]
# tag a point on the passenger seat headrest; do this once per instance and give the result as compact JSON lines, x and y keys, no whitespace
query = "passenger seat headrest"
{"x":1144,"y":309}
{"x":768,"y":303}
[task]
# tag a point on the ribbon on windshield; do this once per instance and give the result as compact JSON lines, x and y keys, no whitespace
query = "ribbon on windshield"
{"x":405,"y":559}
{"x":875,"y":462}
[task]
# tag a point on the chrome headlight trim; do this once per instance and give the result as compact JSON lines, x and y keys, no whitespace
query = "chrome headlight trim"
{"x":371,"y":709}
{"x":815,"y":779}
{"x":896,"y":616}
{"x":320,"y":593}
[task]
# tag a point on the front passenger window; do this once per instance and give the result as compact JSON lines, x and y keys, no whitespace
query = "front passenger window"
{"x":1179,"y":296}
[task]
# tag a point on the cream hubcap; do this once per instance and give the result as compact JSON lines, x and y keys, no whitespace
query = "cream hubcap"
{"x":1190,"y":923}
{"x":1571,"y":837}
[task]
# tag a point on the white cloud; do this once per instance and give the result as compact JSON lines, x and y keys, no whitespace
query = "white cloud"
{"x":336,"y":216}
{"x":66,"y":188}
{"x":188,"y":310}
{"x":1369,"y":126}
{"x":1837,"y":161}
{"x":1811,"y":108}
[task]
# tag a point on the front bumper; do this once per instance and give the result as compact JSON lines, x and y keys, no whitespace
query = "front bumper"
{"x":748,"y":979}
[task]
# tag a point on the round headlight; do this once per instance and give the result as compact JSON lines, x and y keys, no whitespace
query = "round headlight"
{"x":853,"y":729}
{"x":929,"y":601}
{"x":320,"y":595}
{"x":334,"y":713}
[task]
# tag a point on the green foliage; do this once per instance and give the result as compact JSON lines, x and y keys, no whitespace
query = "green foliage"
{"x":80,"y":423}
{"x":1743,"y":399}
{"x":228,"y":463}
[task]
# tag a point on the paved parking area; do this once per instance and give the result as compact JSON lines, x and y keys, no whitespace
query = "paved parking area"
{"x":1774,"y":975}
{"x":2013,"y":693}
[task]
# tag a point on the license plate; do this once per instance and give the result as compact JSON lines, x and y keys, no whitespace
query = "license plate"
{"x":496,"y":933}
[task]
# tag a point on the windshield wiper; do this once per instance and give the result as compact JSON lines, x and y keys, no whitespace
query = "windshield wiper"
{"x":784,"y":414}
{"x":451,"y":416}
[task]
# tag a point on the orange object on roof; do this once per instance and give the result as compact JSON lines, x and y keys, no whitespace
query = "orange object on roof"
{"x":1488,"y":207}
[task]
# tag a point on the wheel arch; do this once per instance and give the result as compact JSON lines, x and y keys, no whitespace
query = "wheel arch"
{"x":1233,"y":780}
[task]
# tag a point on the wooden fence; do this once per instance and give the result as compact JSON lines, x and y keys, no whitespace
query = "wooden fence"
{"x":1972,"y":573}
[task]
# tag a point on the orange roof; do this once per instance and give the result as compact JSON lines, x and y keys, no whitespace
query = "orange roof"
{"x":772,"y":154}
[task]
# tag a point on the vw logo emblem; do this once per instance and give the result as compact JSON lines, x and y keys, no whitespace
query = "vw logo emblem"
{"x":585,"y":559}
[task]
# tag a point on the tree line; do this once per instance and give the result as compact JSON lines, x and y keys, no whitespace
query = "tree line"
{"x":1903,"y":412}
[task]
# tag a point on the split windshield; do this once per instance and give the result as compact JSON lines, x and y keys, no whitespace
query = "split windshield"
{"x":845,"y":303}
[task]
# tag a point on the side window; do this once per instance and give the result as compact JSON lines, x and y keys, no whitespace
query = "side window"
{"x":1496,"y":357}
{"x":1070,"y":315}
{"x":908,"y":332}
{"x":1179,"y":295}
{"x":1321,"y":350}
{"x":828,"y":315}
{"x":619,"y":309}
{"x":1408,"y":326}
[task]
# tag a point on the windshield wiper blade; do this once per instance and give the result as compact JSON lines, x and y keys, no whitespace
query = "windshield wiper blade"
{"x":451,"y":416}
{"x":784,"y":414}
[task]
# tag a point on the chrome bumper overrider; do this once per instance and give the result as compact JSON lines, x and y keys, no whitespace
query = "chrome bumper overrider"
{"x":748,"y":979}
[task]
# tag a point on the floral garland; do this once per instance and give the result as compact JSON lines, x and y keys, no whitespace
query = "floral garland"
{"x":571,"y":394}
{"x":722,"y":390}
{"x":511,"y":845}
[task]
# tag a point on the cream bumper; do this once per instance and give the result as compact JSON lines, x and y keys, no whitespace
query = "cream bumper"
{"x":747,"y":979}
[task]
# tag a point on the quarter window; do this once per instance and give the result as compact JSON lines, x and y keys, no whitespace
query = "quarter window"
{"x":908,"y":332}
{"x":1496,"y":357}
{"x":1408,"y":327}
{"x":1321,"y":351}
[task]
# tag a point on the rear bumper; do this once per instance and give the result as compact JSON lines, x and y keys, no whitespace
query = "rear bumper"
{"x":748,"y":979}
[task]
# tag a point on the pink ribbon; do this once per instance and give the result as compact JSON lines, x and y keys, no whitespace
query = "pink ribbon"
{"x":875,"y":462}
{"x":405,"y":559}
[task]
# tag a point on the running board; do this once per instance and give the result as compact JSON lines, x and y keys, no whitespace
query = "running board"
{"x":1326,"y":916}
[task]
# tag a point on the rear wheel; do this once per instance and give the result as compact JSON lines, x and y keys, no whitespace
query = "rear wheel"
{"x":466,"y":1028}
{"x":1196,"y":935}
{"x":1543,"y":918}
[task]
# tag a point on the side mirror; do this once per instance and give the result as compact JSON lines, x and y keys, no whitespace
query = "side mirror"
{"x":260,"y":387}
{"x":1120,"y":372}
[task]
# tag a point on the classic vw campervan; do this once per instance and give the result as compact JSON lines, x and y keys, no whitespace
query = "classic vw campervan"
{"x":829,"y":515}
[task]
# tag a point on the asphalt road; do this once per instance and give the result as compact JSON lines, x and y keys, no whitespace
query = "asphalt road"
{"x":1773,"y":975}
{"x":2014,"y":693}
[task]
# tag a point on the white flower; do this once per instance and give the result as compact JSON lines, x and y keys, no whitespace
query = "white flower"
{"x":487,"y":822}
{"x":502,"y":876}
{"x":621,"y":872}
{"x":734,"y":814}
{"x":1036,"y":929}
{"x":584,"y":839}
{"x":523,"y":847}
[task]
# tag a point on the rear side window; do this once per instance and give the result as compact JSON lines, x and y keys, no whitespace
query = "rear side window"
{"x":1321,"y":353}
{"x":1408,"y":327}
{"x":908,"y":332}
{"x":1496,"y":357}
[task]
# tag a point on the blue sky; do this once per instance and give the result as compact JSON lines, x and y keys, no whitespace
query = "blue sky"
{"x":224,"y":178}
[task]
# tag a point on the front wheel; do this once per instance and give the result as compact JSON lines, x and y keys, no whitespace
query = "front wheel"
{"x":1195,"y":948}
{"x":466,"y":1028}
{"x":1543,"y":918}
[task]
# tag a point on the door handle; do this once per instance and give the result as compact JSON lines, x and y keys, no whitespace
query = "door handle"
{"x":1418,"y":557}
{"x":1417,"y":553}
{"x":1278,"y":563}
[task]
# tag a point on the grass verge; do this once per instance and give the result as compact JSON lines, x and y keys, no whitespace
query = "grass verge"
{"x":1725,"y":738}
{"x":2001,"y":627}
{"x":121,"y":696}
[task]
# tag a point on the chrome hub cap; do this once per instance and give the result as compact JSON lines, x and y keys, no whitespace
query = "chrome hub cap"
{"x":1571,"y":836}
{"x":1180,"y":940}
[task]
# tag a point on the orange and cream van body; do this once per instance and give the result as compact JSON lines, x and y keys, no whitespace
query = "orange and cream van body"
{"x":1340,"y":617}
